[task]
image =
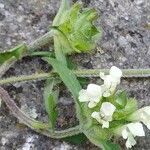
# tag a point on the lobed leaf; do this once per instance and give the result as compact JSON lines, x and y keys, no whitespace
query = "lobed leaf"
{"x":79,"y":29}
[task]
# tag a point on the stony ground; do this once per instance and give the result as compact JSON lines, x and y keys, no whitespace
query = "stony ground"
{"x":125,"y":43}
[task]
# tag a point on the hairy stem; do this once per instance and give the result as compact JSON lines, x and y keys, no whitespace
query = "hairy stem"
{"x":38,"y":126}
{"x":37,"y":44}
{"x":127,"y":73}
{"x":6,"y":65}
{"x":42,"y":41}
{"x":22,"y":78}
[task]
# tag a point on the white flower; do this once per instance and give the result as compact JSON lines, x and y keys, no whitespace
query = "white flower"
{"x":130,"y":131}
{"x":105,"y":115}
{"x":111,"y":80}
{"x":142,"y":115}
{"x":92,"y":94}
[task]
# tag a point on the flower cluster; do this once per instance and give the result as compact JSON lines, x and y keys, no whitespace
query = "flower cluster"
{"x":115,"y":111}
{"x":94,"y":94}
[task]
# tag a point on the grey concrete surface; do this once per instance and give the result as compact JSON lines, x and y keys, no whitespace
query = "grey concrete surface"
{"x":125,"y":43}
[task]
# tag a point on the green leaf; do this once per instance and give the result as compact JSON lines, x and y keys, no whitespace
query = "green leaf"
{"x":76,"y":139}
{"x":79,"y":29}
{"x":69,"y":79}
{"x":99,"y":137}
{"x":64,"y":6}
{"x":71,"y":65}
{"x":121,"y":99}
{"x":50,"y":99}
{"x":116,"y":123}
{"x":130,"y":107}
{"x":107,"y":145}
{"x":66,"y":75}
{"x":59,"y":50}
{"x":16,"y":52}
{"x":83,"y":81}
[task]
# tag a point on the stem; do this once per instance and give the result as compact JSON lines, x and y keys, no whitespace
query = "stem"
{"x":37,"y":44}
{"x":35,"y":76}
{"x":42,"y":53}
{"x":38,"y":126}
{"x":6,"y":65}
{"x":42,"y":41}
{"x":127,"y":73}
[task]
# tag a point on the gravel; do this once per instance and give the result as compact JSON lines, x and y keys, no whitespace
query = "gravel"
{"x":125,"y":43}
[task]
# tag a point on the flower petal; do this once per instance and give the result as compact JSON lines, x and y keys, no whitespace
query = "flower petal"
{"x":83,"y":97}
{"x":124,"y":134}
{"x":94,"y":90}
{"x":115,"y":72}
{"x":108,"y":81}
{"x":105,"y":124}
{"x":136,"y":129}
{"x":107,"y":93}
{"x":102,"y":75}
{"x":130,"y":142}
{"x":92,"y":104}
{"x":147,"y":123}
{"x":96,"y":116}
{"x":107,"y":109}
{"x":146,"y":109}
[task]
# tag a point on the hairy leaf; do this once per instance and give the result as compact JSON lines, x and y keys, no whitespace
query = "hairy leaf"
{"x":64,"y":6}
{"x":50,"y":99}
{"x":107,"y":145}
{"x":130,"y":107}
{"x":97,"y":136}
{"x":121,"y":99}
{"x":16,"y":52}
{"x":59,"y":50}
{"x":79,"y":29}
{"x":66,"y":75}
{"x":71,"y":65}
{"x":69,"y":80}
{"x":76,"y":139}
